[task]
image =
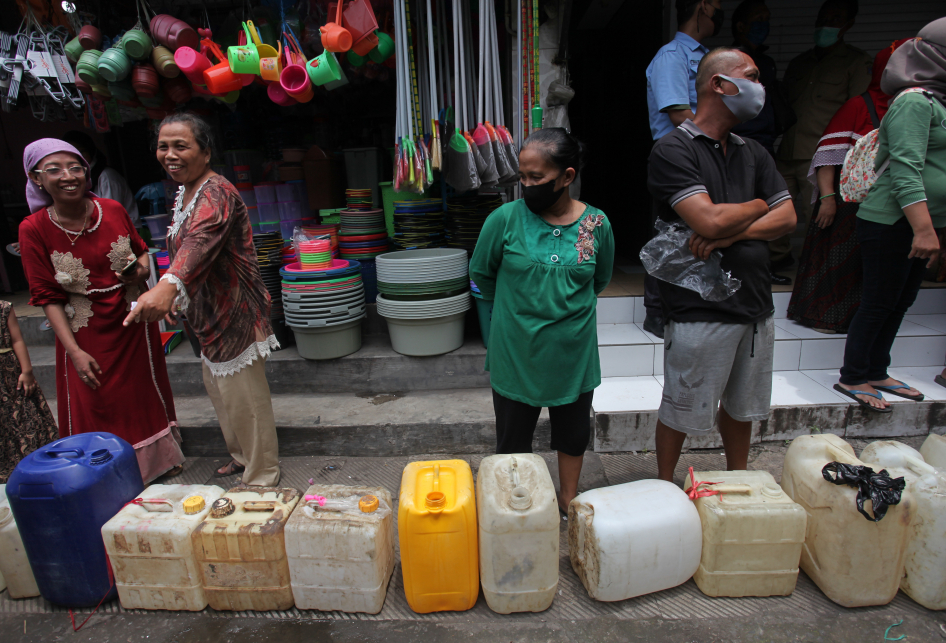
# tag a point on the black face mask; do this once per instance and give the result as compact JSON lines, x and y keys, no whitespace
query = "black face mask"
{"x":541,"y":197}
{"x":718,"y":18}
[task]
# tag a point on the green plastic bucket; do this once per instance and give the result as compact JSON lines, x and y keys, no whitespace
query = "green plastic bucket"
{"x":484,"y":312}
{"x":389,"y":196}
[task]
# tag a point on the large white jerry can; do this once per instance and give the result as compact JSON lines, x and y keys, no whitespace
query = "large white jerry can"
{"x":15,"y":570}
{"x":517,"y":514}
{"x":150,"y":548}
{"x":633,"y":539}
{"x":341,"y":555}
{"x":924,"y":578}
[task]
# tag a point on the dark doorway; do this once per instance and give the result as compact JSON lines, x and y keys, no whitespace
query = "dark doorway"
{"x":609,"y":112}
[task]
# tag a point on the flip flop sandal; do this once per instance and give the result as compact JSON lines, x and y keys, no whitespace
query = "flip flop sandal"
{"x":174,"y":471}
{"x":853,"y":395}
{"x":893,"y":391}
{"x":563,"y":513}
{"x":233,"y":467}
{"x":939,"y":379}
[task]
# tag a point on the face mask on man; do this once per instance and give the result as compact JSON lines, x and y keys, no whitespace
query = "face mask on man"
{"x":747,"y":104}
{"x":541,"y":197}
{"x":826,"y":36}
{"x":758,"y":32}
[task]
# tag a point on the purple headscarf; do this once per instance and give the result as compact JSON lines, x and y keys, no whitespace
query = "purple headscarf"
{"x":36,"y":152}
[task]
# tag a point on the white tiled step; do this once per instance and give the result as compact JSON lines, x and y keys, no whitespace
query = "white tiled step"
{"x":626,"y":350}
{"x":626,"y":409}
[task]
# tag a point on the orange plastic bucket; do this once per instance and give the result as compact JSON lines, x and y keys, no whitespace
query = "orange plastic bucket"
{"x":220,"y":79}
{"x":271,"y":68}
{"x":334,"y":36}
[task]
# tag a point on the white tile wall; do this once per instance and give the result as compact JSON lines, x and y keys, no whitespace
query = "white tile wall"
{"x":787,"y":355}
{"x":935,"y":322}
{"x":627,"y":361}
{"x":929,"y":301}
{"x":918,"y":351}
{"x":821,"y":353}
{"x":618,"y":334}
{"x":615,"y":310}
{"x":781,"y":299}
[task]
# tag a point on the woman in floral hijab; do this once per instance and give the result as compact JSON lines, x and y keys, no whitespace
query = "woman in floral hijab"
{"x":543,"y":260}
{"x":86,"y":264}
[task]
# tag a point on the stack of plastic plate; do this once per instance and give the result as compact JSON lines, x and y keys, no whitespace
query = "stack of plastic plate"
{"x":418,"y":224}
{"x":424,"y":298}
{"x":363,"y":246}
{"x":465,"y":218}
{"x":359,"y":222}
{"x":324,"y":308}
{"x":358,"y":199}
{"x":269,"y":248}
{"x":315,"y":255}
{"x":163,"y":260}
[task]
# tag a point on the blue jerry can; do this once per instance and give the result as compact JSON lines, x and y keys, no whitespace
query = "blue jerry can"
{"x":61,"y":495}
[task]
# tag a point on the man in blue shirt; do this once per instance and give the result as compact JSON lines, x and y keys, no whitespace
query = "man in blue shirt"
{"x":671,"y":99}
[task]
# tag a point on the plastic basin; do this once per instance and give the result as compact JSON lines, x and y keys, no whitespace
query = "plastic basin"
{"x":422,"y":337}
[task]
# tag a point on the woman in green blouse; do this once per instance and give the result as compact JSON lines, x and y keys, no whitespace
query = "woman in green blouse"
{"x":543,"y":260}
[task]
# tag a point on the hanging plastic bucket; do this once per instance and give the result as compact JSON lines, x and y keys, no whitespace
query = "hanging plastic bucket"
{"x":295,"y":80}
{"x":271,"y":67}
{"x":334,"y":36}
{"x":192,"y":63}
{"x":324,"y":68}
{"x":164,"y":64}
{"x":114,"y":64}
{"x":220,"y":79}
{"x":385,"y":48}
{"x":137,"y":44}
{"x":244,"y":59}
{"x":279,"y":96}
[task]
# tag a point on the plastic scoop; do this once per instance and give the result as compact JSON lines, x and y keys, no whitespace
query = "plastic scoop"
{"x":334,"y":36}
{"x":265,"y":51}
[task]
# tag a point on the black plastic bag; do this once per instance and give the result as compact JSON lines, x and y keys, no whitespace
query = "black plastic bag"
{"x":882,"y":490}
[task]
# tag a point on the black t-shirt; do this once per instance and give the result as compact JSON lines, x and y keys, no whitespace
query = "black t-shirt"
{"x":687,"y":162}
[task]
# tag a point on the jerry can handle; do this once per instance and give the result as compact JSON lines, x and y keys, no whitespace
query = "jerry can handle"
{"x":515,"y":472}
{"x":157,"y":505}
{"x":58,"y":453}
{"x":436,"y":477}
{"x":259,"y":505}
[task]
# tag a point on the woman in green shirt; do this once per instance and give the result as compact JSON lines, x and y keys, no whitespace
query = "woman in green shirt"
{"x":897,"y":222}
{"x":543,"y":260}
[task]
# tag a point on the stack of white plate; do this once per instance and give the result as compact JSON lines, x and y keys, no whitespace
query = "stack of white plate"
{"x":416,"y":299}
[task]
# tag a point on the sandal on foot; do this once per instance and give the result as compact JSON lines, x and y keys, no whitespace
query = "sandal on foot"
{"x":893,"y":390}
{"x":174,"y":471}
{"x":853,"y":395}
{"x":233,"y":467}
{"x":939,"y":379}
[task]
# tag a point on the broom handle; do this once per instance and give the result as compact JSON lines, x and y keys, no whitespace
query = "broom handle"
{"x":432,"y":71}
{"x":482,"y":60}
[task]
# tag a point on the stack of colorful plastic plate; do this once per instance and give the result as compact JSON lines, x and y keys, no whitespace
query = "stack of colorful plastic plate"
{"x":363,"y":246}
{"x":465,"y":217}
{"x":269,"y":253}
{"x":315,"y":255}
{"x":362,"y":222}
{"x":163,"y":261}
{"x":358,"y":199}
{"x":418,"y":224}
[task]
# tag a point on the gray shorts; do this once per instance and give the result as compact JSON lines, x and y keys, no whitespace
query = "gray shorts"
{"x":708,"y":363}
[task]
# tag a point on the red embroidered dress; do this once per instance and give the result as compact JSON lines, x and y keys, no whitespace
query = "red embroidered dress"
{"x":134,"y":400}
{"x":214,"y":267}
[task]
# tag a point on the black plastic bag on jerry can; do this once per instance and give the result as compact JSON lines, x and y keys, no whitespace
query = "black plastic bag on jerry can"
{"x":882,"y":490}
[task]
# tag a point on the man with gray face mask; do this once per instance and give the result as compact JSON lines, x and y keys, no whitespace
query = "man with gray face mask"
{"x":718,"y":355}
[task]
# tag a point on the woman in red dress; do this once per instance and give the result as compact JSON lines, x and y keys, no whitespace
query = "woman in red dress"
{"x":78,"y":252}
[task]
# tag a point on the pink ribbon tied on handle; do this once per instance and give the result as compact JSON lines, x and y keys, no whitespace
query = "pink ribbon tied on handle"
{"x":695,"y":492}
{"x":318,"y":499}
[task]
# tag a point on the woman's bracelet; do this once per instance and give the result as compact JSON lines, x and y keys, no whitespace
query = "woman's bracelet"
{"x":825,"y":196}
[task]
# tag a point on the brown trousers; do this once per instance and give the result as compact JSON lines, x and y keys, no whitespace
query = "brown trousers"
{"x":245,"y":411}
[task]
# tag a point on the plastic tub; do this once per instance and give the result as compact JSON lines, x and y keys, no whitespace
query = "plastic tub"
{"x":517,"y":513}
{"x":252,"y":212}
{"x":268,"y":211}
{"x":292,"y":210}
{"x":158,"y":224}
{"x":269,"y":226}
{"x":292,"y":191}
{"x":430,"y":336}
{"x":363,"y":170}
{"x":265,"y":192}
{"x":249,"y":197}
{"x":633,"y":539}
{"x":484,"y":313}
{"x":369,"y":275}
{"x":328,"y":342}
